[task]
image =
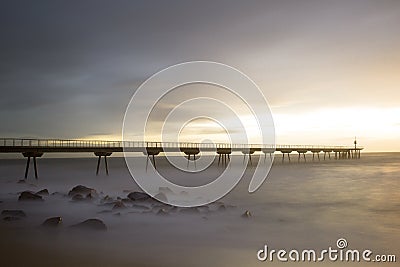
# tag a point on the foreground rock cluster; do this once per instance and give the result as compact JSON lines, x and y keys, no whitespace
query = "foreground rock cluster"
{"x":133,"y":202}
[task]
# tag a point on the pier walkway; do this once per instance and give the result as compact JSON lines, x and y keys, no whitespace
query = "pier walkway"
{"x":35,"y":148}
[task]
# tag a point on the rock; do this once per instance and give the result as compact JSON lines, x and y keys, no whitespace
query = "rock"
{"x":26,"y":195}
{"x":43,"y":192}
{"x":118,"y":214}
{"x":90,"y":196}
{"x":78,"y":197}
{"x":11,"y":218}
{"x":140,"y":207}
{"x":107,"y":198}
{"x":82,"y":190}
{"x":52,"y":222}
{"x":138,"y":196}
{"x":22,"y":181}
{"x":91,"y":224}
{"x":246,"y":214}
{"x":127,"y":200}
{"x":161,"y":197}
{"x":14,"y":213}
{"x":119,"y":205}
{"x":162,"y":212}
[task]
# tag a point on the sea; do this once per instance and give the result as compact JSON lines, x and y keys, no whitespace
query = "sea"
{"x":315,"y":205}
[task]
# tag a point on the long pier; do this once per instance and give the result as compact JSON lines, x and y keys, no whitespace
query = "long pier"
{"x":35,"y":148}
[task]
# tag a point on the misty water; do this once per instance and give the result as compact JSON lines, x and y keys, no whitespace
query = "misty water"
{"x":300,"y":206}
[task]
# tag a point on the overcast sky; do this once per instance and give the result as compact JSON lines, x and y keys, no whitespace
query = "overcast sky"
{"x":329,"y":69}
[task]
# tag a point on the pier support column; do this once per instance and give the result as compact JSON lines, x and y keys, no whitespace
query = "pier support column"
{"x":189,"y":152}
{"x":248,"y":152}
{"x":30,"y":155}
{"x":105,"y":155}
{"x":224,"y":156}
{"x":301,"y":151}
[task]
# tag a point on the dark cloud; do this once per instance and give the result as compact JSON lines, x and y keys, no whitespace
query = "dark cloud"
{"x":68,"y":68}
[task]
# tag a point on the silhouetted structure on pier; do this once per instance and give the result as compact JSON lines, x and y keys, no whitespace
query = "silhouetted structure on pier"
{"x":35,"y":148}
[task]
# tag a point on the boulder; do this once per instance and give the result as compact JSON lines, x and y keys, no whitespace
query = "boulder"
{"x":127,"y":200}
{"x":221,"y":207}
{"x":91,"y":224}
{"x":140,"y":207}
{"x":246,"y":214}
{"x":119,"y":205}
{"x":162,"y":212}
{"x":52,"y":222}
{"x":78,"y":197}
{"x":14,"y":213}
{"x":27,"y":195}
{"x":43,"y":192}
{"x":83,"y":190}
{"x":138,"y":196}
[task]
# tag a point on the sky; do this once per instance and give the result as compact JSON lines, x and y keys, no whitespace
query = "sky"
{"x":329,"y":69}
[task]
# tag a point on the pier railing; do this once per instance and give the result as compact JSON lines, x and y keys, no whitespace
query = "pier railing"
{"x":71,"y":143}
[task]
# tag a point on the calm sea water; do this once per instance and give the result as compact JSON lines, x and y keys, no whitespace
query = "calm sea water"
{"x":300,"y":206}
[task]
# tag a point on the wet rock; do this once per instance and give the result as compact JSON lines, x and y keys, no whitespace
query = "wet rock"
{"x":161,"y":197}
{"x":126,"y":200}
{"x":11,"y":218}
{"x":221,"y":207}
{"x":52,"y":222}
{"x":140,"y":207}
{"x":119,"y":205}
{"x":83,"y":190}
{"x":22,"y":181}
{"x":91,"y":224}
{"x":246,"y":214}
{"x":162,"y":212}
{"x":14,"y":213}
{"x":138,"y":196}
{"x":27,"y":195}
{"x":90,"y":196}
{"x":107,"y":199}
{"x":78,"y":197}
{"x":43,"y":192}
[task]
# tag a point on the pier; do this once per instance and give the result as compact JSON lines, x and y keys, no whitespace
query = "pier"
{"x":36,"y":148}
